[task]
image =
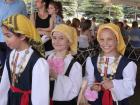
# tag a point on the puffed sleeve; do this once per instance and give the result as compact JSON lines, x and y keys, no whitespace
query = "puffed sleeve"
{"x":40,"y":83}
{"x":89,"y":71}
{"x":125,"y":87}
{"x":4,"y":87}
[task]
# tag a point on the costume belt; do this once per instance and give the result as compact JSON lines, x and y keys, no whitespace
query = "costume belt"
{"x":107,"y":97}
{"x":25,"y":95}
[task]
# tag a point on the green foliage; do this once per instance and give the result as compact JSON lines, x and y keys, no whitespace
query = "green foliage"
{"x":131,"y":11}
{"x":27,"y":1}
{"x":99,"y":9}
{"x":69,"y":7}
{"x":115,"y":11}
{"x":90,"y":8}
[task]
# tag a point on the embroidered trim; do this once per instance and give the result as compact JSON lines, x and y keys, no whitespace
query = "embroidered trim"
{"x":106,"y":64}
{"x":14,"y":65}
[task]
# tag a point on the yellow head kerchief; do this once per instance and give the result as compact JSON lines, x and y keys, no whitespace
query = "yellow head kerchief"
{"x":22,"y":25}
{"x":121,"y":44}
{"x":69,"y":33}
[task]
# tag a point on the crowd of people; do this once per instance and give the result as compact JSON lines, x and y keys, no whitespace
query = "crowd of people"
{"x":38,"y":57}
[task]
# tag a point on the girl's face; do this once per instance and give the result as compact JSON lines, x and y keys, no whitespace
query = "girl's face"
{"x":39,"y":4}
{"x":51,"y":9}
{"x":60,"y":42}
{"x":11,"y":39}
{"x":108,"y":42}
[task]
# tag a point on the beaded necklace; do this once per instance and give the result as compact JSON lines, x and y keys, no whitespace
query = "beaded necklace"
{"x":14,"y":65}
{"x":106,"y":64}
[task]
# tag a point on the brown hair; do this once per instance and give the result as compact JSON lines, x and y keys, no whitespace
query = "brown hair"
{"x":85,"y":25}
{"x":58,"y":6}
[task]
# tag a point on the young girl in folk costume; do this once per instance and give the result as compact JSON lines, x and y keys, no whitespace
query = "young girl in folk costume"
{"x":110,"y":75}
{"x":65,"y":72}
{"x":26,"y":72}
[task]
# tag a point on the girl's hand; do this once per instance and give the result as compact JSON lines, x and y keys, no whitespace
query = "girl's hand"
{"x":107,"y":84}
{"x":53,"y":74}
{"x":81,"y":98}
{"x":82,"y":101}
{"x":41,"y":31}
{"x":96,"y":87}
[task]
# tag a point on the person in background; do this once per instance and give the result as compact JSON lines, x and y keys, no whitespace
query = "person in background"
{"x":8,"y":8}
{"x":134,"y":35}
{"x":56,"y":12}
{"x":93,"y":26}
{"x":68,"y":22}
{"x":41,"y":18}
{"x":115,"y":21}
{"x":76,"y":23}
{"x":82,"y":19}
{"x":85,"y":35}
{"x":42,"y":21}
{"x":25,"y":68}
{"x":106,"y":20}
{"x":84,"y":42}
{"x":126,"y":26}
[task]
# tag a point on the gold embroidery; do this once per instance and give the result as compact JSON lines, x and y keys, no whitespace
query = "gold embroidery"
{"x":112,"y":65}
{"x":14,"y":75}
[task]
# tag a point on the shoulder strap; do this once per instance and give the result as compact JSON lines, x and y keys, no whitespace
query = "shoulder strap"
{"x":96,"y":72}
{"x":70,"y":66}
{"x":46,"y":57}
{"x":94,"y":61}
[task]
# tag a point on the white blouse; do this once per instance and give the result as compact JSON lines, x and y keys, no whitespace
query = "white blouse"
{"x":40,"y":79}
{"x":123,"y":88}
{"x":67,"y":87}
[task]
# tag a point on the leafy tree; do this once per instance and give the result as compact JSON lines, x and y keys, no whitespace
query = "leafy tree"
{"x":113,"y":11}
{"x":130,"y":12}
{"x":69,"y":7}
{"x":99,"y":9}
{"x":91,"y":7}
